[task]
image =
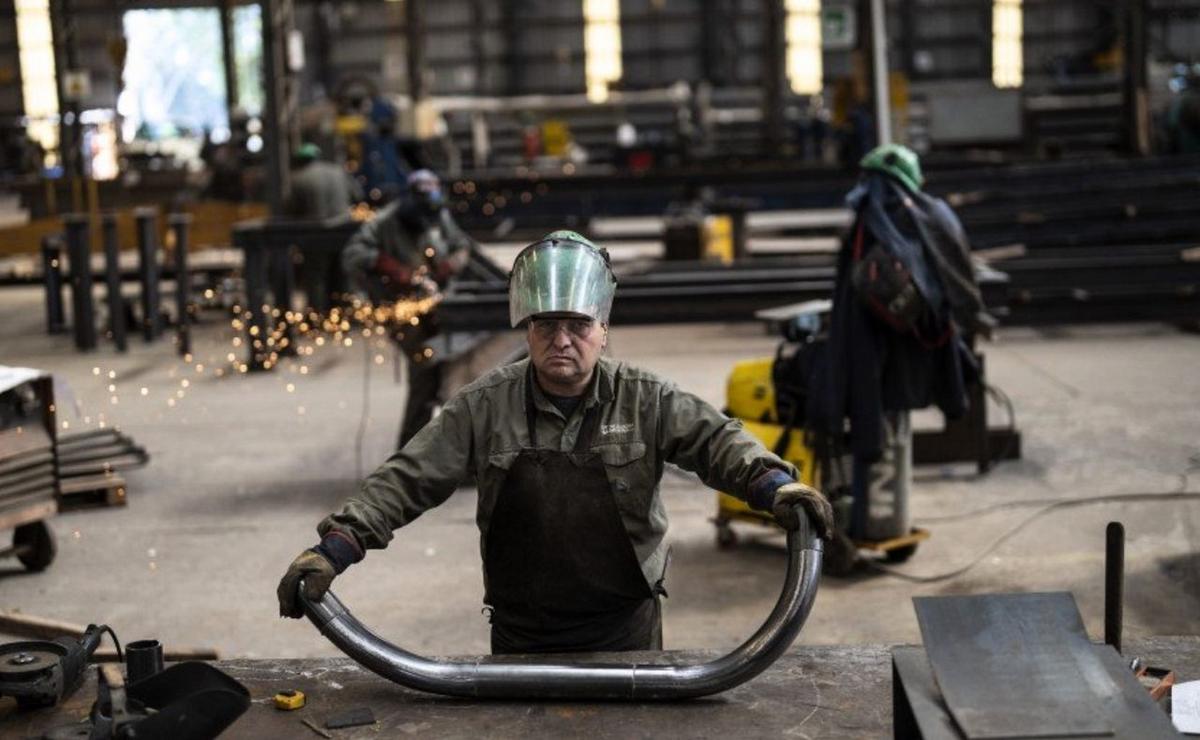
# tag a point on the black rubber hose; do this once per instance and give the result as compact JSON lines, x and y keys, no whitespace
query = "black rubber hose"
{"x":520,"y":679}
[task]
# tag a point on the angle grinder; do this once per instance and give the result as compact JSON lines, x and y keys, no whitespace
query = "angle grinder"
{"x":41,"y":673}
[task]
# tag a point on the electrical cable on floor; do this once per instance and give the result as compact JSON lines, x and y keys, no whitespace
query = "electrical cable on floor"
{"x":362,"y":417}
{"x":1048,"y":505}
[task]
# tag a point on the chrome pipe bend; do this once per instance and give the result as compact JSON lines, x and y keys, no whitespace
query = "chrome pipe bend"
{"x":494,"y":678}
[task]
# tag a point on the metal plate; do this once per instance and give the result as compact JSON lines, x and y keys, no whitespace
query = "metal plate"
{"x":1016,"y":665}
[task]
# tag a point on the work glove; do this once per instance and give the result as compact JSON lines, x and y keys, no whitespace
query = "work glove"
{"x":818,"y":508}
{"x":397,"y":273}
{"x":448,"y":267}
{"x":317,"y":573}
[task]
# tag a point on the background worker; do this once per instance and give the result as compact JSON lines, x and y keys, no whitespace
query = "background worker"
{"x":567,"y":449}
{"x":411,"y":248}
{"x":320,"y":191}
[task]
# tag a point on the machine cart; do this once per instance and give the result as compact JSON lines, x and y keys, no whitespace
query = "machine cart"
{"x":28,"y":478}
{"x":752,"y":396}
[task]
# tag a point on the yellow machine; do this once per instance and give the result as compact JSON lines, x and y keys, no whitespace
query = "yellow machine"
{"x":750,"y":396}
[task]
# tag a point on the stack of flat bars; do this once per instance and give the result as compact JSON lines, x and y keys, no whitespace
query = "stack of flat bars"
{"x":89,"y":465}
{"x":28,"y":478}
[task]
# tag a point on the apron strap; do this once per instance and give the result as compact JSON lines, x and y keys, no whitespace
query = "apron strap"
{"x":587,"y":428}
{"x":530,"y":409}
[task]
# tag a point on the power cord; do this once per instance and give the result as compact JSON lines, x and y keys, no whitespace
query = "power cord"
{"x":362,"y":417}
{"x":116,"y":642}
{"x":1047,"y":505}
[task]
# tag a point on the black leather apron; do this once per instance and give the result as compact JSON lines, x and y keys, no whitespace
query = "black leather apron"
{"x":560,"y":571}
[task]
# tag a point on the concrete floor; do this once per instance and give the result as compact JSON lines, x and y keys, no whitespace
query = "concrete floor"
{"x":243,"y":467}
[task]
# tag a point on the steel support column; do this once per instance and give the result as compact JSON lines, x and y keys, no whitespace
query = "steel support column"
{"x":414,"y":48}
{"x":229,"y":57}
{"x":112,"y":281}
{"x":147,"y":237}
{"x":279,"y":119}
{"x":774,"y":78}
{"x":879,"y":72}
{"x":513,"y":59}
{"x":70,"y":129}
{"x":1137,"y":111}
{"x":83,"y":313}
{"x":52,"y":275}
{"x":179,"y":224}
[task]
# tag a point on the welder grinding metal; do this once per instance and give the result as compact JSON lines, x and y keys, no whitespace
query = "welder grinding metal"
{"x":567,"y":449}
{"x":411,"y":248}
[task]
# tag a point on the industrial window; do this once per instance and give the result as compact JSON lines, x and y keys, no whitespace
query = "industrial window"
{"x":1008,"y":68}
{"x":602,"y":46}
{"x":174,"y":78}
{"x":39,"y":90}
{"x":247,"y":52}
{"x":804,"y":68}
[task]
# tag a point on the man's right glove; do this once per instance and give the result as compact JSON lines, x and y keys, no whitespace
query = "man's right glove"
{"x":814,"y":503}
{"x":317,"y":572}
{"x":397,"y":273}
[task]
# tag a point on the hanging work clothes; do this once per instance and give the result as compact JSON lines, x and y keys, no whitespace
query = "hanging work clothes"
{"x":873,"y":368}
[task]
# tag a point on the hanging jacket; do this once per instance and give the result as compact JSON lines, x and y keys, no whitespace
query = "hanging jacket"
{"x":870,"y":367}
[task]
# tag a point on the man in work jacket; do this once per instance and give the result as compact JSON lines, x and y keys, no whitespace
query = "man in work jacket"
{"x":567,"y":449}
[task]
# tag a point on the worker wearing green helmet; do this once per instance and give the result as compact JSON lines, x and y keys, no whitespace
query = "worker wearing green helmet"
{"x":567,"y":449}
{"x":320,"y":191}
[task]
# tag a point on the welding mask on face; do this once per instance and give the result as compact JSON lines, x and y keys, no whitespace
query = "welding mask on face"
{"x":426,"y":191}
{"x":561,"y":273}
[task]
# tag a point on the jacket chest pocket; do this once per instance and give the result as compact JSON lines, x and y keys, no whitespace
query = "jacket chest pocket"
{"x":629,"y":476}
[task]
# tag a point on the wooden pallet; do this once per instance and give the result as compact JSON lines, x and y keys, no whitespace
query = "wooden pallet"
{"x":91,"y":491}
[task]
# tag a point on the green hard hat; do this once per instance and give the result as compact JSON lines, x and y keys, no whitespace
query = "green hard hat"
{"x":563,"y":272}
{"x":307,"y":152}
{"x":898,"y":161}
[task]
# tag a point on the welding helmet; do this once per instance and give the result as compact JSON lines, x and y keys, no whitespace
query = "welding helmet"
{"x":563,"y":272}
{"x":426,"y":189}
{"x":898,"y":161}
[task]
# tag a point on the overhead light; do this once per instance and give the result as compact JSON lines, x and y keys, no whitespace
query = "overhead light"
{"x":1008,"y":63}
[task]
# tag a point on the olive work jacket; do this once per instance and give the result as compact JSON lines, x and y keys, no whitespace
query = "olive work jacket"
{"x":645,"y":422}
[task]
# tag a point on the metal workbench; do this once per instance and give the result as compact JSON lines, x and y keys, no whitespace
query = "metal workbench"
{"x":812,"y":691}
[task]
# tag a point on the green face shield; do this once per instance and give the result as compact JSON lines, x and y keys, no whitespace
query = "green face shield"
{"x":562,"y":273}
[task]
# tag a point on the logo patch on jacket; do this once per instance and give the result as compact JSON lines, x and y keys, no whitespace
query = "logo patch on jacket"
{"x":606,"y":429}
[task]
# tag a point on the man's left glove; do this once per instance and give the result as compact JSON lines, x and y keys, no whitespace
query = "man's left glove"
{"x":318,"y":574}
{"x":814,"y":503}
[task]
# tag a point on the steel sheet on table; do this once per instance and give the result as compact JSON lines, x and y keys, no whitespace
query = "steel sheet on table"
{"x":1016,"y":665}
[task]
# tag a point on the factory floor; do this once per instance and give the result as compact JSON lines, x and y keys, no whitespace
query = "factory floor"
{"x":244,"y":465}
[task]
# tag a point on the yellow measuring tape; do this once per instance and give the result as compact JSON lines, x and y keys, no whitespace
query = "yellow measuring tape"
{"x":289,"y":700}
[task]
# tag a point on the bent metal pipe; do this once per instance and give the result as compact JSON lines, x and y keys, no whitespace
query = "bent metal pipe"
{"x":503,"y":678}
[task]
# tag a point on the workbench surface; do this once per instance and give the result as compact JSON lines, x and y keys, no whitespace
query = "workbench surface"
{"x":811,"y":692}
